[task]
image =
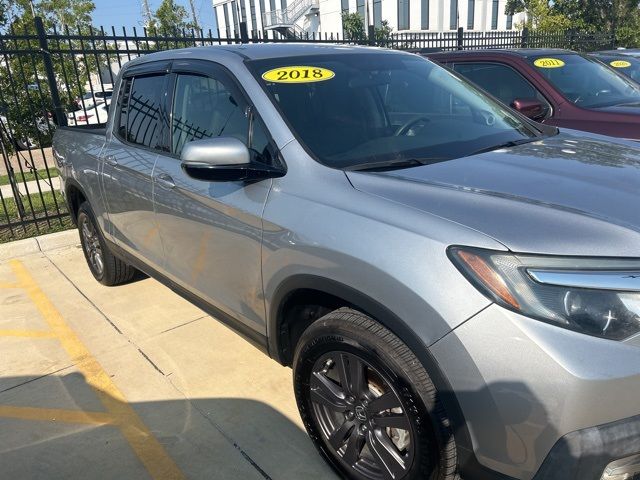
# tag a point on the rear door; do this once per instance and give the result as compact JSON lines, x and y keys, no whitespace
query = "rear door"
{"x":129,"y":158}
{"x":212,"y":231}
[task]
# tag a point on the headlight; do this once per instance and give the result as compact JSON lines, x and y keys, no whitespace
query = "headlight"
{"x":599,"y":297}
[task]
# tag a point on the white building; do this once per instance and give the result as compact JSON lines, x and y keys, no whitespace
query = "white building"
{"x":325,"y":16}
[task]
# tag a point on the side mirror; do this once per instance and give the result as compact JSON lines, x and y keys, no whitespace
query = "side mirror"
{"x":223,"y":159}
{"x":530,"y":108}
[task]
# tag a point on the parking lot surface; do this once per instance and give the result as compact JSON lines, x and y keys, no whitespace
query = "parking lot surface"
{"x":134,"y":382}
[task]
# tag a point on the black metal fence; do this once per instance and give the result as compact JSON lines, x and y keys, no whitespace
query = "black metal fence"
{"x":51,"y":77}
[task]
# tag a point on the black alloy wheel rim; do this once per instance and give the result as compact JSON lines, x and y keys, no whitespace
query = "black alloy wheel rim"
{"x":92,"y":247}
{"x":362,"y":419}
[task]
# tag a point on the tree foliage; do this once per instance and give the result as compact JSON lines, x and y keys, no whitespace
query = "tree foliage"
{"x":353,"y":26}
{"x":170,"y":17}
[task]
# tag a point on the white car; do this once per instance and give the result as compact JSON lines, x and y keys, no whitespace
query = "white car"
{"x":91,"y":116}
{"x":90,"y":100}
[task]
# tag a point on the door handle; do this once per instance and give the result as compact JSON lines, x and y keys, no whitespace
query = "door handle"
{"x":111,"y":160}
{"x":165,"y":181}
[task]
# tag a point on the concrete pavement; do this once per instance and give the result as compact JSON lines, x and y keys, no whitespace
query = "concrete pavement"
{"x":32,"y":187}
{"x":132,"y":381}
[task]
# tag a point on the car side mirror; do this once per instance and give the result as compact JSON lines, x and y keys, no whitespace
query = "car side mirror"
{"x":223,"y":159}
{"x":530,"y":107}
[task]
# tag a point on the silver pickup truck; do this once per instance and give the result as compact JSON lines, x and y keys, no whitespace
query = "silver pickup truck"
{"x":456,"y":287}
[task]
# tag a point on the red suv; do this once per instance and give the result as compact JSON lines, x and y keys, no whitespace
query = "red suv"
{"x":556,"y":87}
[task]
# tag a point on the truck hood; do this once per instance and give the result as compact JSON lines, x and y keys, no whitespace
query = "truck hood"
{"x":572,"y":194}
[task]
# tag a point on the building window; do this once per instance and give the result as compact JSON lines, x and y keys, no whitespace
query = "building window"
{"x":453,"y":15}
{"x":494,"y":15}
{"x":283,"y":4}
{"x":509,"y":22}
{"x":236,"y":23}
{"x":226,"y":19}
{"x":272,"y":4}
{"x":360,"y":8}
{"x":471,"y":14}
{"x":403,"y":14}
{"x":424,"y":14}
{"x":243,"y":11}
{"x":345,"y":6}
{"x":377,"y":13}
{"x":252,"y":8}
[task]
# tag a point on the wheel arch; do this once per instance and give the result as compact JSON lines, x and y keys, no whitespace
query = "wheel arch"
{"x":75,"y":196}
{"x":330,"y":293}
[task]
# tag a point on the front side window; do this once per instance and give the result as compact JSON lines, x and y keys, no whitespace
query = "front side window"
{"x":384,"y":106}
{"x":139,"y":119}
{"x":501,"y":81}
{"x":585,"y":81}
{"x":203,"y":107}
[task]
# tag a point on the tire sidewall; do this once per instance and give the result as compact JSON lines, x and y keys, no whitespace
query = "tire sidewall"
{"x":425,"y":454}
{"x":85,"y":214}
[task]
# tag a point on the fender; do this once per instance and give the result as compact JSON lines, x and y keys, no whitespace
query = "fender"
{"x":68,"y":183}
{"x":470,"y":468}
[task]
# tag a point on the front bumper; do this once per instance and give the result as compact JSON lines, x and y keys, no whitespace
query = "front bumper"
{"x":533,"y":394}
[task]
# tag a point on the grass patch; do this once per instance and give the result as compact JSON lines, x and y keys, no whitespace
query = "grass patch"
{"x":41,"y":226}
{"x":28,"y":176}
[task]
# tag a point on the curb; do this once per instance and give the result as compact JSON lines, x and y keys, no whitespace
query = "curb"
{"x":42,"y":243}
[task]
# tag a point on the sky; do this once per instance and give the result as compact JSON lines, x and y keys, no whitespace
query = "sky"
{"x":128,"y":13}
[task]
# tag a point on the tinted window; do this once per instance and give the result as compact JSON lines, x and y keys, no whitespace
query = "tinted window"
{"x":585,"y":81}
{"x":625,"y":65}
{"x":380,"y":107}
{"x":143,"y":111}
{"x":204,"y":107}
{"x":501,"y":81}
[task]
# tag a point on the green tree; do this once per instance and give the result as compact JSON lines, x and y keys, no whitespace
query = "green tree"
{"x":540,"y":15}
{"x":353,"y":26}
{"x":383,"y":32}
{"x":66,"y":13}
{"x":170,"y":16}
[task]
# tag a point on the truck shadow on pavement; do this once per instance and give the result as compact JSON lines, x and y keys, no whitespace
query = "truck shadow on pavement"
{"x":57,"y":427}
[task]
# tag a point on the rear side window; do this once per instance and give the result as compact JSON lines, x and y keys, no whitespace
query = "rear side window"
{"x":203,"y":107}
{"x":139,"y":120}
{"x":501,"y":81}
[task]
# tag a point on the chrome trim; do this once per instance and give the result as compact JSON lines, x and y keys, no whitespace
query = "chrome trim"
{"x":626,"y":281}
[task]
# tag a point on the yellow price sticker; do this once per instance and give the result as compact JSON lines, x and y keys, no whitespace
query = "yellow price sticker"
{"x":620,"y":64}
{"x":298,"y":74}
{"x":549,"y":63}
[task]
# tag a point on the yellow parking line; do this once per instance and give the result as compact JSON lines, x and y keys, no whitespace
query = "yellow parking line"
{"x":27,"y":333}
{"x":56,"y":415}
{"x":150,"y":452}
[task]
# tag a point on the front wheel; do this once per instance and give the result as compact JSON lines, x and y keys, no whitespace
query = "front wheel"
{"x":368,"y":404}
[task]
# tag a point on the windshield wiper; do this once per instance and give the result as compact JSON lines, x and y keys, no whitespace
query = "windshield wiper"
{"x":394,"y":164}
{"x":510,"y":143}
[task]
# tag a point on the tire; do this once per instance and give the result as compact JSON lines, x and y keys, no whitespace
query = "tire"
{"x":394,"y":414}
{"x":104,"y":265}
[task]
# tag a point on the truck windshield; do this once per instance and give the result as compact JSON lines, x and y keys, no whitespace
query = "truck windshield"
{"x":385,"y":108}
{"x":624,"y":64}
{"x":585,"y":81}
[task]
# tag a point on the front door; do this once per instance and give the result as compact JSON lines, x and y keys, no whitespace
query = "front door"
{"x":129,"y":159}
{"x":212,"y":231}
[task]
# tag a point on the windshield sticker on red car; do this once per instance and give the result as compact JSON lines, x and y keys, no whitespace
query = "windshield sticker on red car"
{"x":620,"y":64}
{"x":298,"y":74}
{"x":549,"y":63}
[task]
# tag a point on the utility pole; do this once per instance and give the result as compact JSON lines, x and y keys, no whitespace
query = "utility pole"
{"x":146,"y":13}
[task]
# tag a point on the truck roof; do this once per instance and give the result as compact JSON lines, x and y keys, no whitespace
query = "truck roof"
{"x":259,"y":51}
{"x":518,"y":52}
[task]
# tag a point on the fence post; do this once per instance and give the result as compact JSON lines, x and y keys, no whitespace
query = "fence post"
{"x":244,"y":35}
{"x":371,"y":33}
{"x":460,"y":38}
{"x":61,"y":118}
{"x":524,"y":43}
